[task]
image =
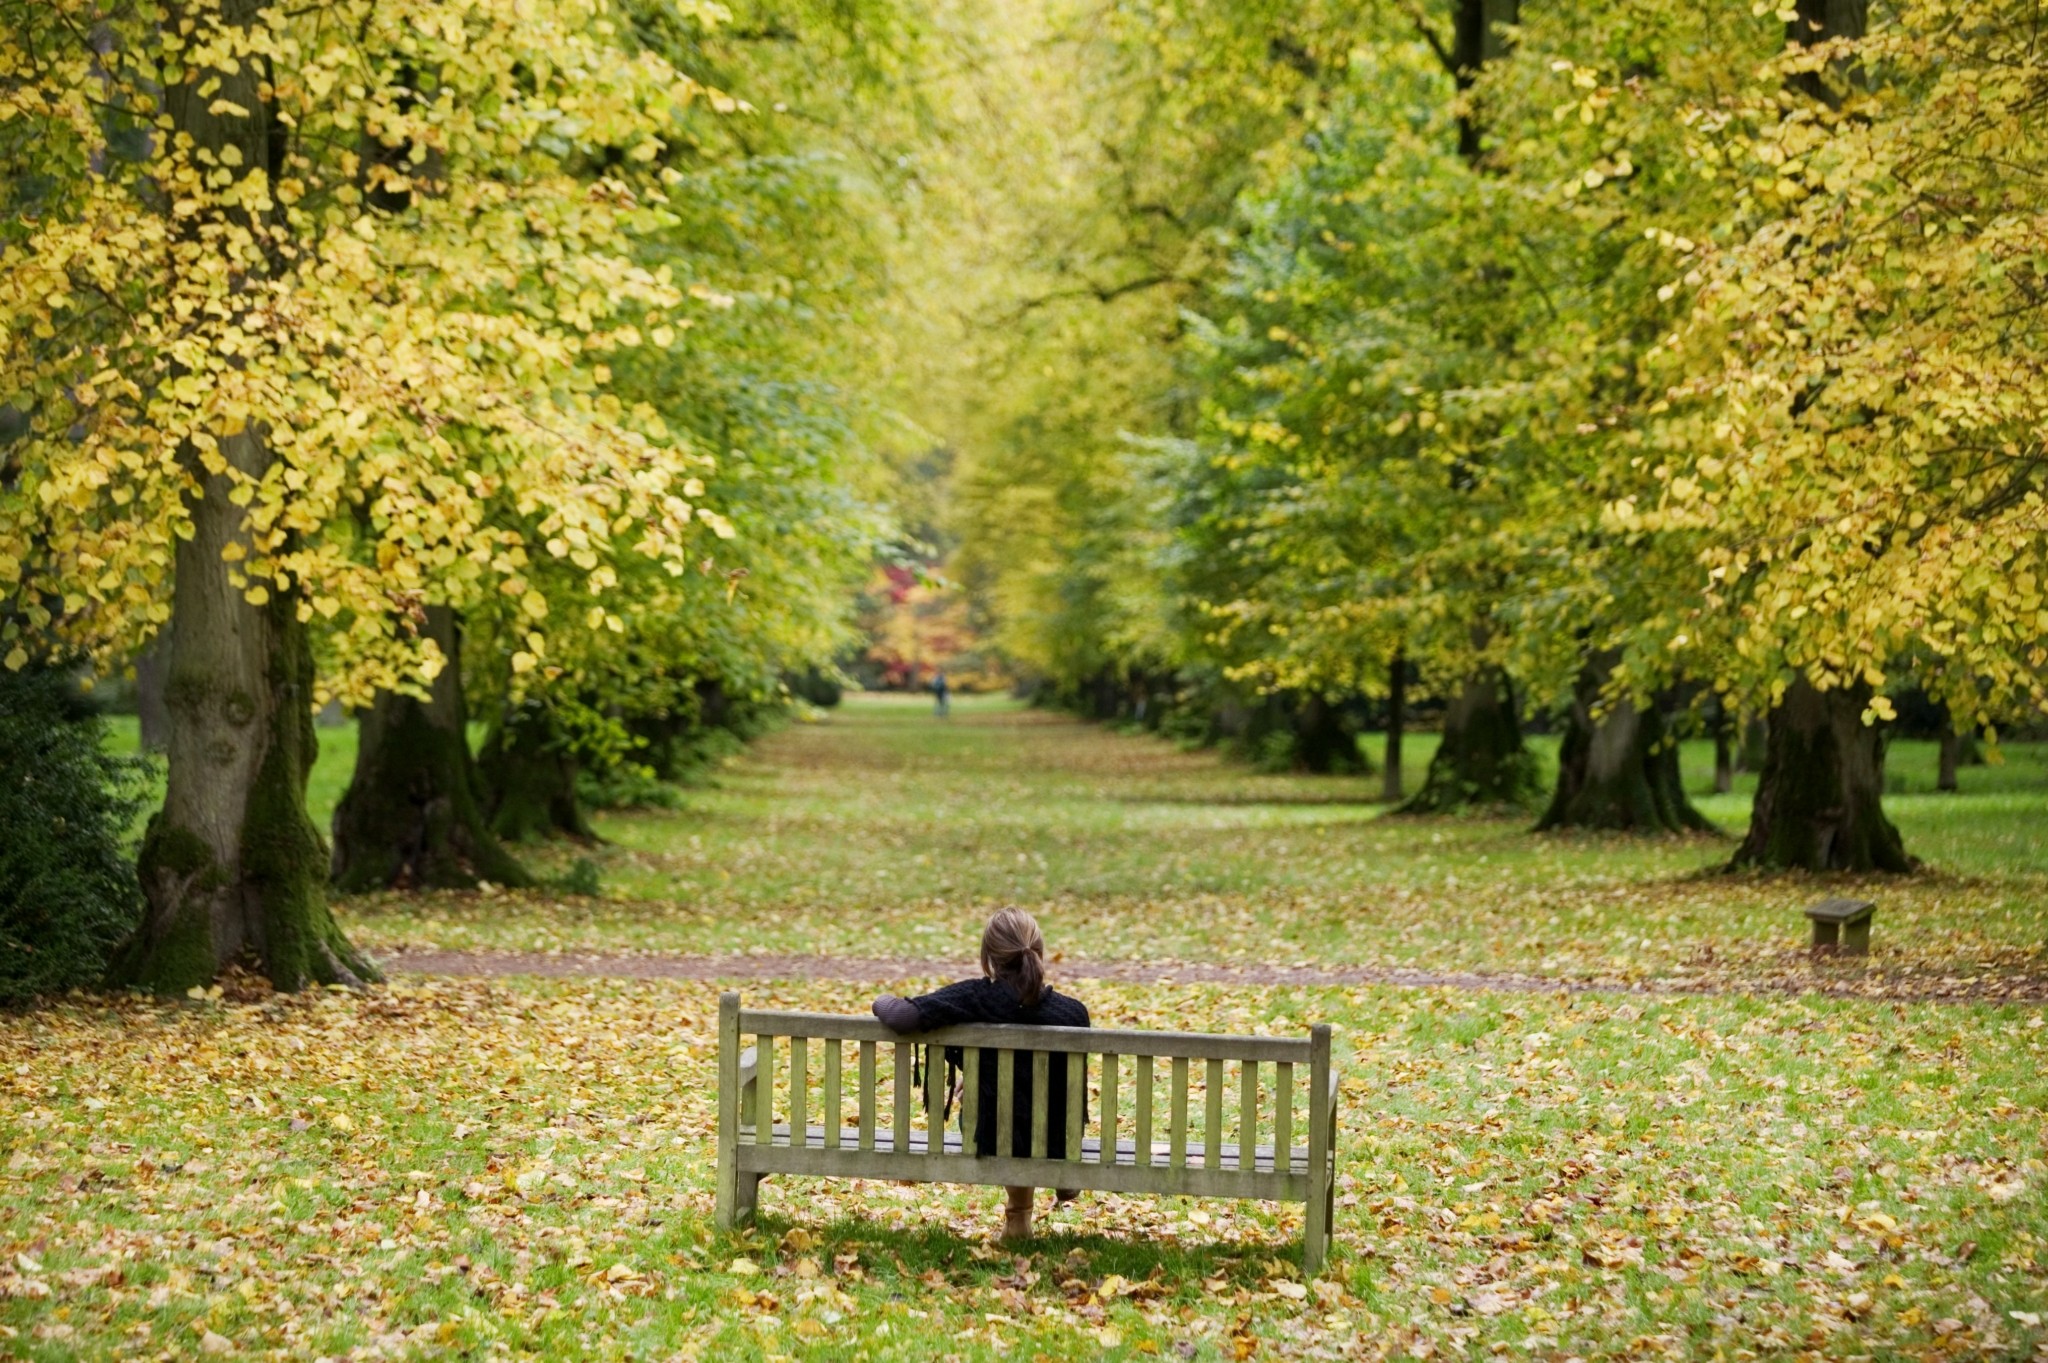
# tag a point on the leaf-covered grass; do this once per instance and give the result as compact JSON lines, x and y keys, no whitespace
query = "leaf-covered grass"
{"x":880,"y":831}
{"x":525,"y":1170}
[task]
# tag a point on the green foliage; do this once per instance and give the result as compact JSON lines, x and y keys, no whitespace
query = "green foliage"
{"x":67,"y":892}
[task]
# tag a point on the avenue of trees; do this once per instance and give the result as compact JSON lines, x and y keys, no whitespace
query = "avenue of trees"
{"x":566,"y":368}
{"x":1667,"y":367}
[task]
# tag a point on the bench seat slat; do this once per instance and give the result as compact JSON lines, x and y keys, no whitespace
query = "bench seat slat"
{"x":1187,"y":1045}
{"x":1091,"y":1150}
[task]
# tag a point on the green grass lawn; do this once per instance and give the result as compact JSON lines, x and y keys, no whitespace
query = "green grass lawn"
{"x":879,"y":831}
{"x":523,"y":1168}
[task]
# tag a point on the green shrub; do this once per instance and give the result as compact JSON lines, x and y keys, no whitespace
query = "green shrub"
{"x":68,"y":892}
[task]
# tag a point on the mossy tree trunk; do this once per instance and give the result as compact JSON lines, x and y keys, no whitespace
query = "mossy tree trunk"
{"x":1820,"y":797}
{"x":1481,"y":761}
{"x":527,"y":778}
{"x":410,"y":816}
{"x":232,"y":867}
{"x":1618,"y":770}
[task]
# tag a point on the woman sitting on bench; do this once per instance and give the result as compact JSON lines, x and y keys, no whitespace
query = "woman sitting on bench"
{"x":1012,"y":990}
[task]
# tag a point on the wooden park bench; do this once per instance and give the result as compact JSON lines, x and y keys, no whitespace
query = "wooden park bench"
{"x":782,"y":1110}
{"x":1842,"y":925}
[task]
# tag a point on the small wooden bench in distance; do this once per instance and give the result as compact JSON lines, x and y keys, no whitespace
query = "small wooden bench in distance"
{"x":1247,"y":1131}
{"x":1842,"y":925}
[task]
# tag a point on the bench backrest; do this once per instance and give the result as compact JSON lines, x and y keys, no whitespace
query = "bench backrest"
{"x":1256,"y":1095}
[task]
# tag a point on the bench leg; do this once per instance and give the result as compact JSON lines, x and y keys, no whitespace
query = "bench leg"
{"x":1856,"y":939}
{"x":746,"y":1197}
{"x":1825,"y":936}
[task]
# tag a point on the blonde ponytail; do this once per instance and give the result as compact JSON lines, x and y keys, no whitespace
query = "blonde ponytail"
{"x":1013,"y":953}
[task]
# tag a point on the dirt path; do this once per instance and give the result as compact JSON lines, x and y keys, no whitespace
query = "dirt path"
{"x":1841,"y":979}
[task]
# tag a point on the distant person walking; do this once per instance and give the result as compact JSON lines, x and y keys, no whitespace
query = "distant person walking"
{"x":939,"y":693}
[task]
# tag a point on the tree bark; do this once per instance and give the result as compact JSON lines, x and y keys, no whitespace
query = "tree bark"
{"x":1481,"y":760}
{"x":232,"y":867}
{"x":1323,"y":743}
{"x":1756,"y":740}
{"x":1618,"y":770}
{"x":1397,"y":717}
{"x":1819,"y":21}
{"x":1476,"y":39}
{"x":1820,"y":797}
{"x":528,"y":779}
{"x":152,"y":670}
{"x":411,"y":817}
{"x":1724,"y":747}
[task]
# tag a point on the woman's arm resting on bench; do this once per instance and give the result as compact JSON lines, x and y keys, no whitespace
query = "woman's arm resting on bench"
{"x":898,"y":1015}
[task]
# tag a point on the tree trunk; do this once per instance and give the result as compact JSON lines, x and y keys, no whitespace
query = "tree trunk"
{"x":1323,"y":743}
{"x":528,"y":778}
{"x":1951,"y":756}
{"x":1476,"y":39}
{"x":1618,"y":770}
{"x":1397,"y":716}
{"x":1819,"y":799}
{"x":410,"y":817}
{"x":232,"y":866}
{"x":1756,"y":740}
{"x":1818,"y":21}
{"x":1481,"y":760}
{"x":152,"y":669}
{"x":1724,"y":747}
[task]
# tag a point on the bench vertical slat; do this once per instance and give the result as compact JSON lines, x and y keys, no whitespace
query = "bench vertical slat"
{"x":1316,"y":1231}
{"x":835,"y":1112}
{"x":867,"y":1095}
{"x":1177,"y":1128}
{"x":903,"y":1050}
{"x":1077,"y":1103}
{"x":1006,"y":1103}
{"x":728,"y":1108}
{"x":1143,"y":1094}
{"x":799,"y":1092}
{"x":764,"y":1089}
{"x":1212,"y":1118}
{"x":1248,"y":1119}
{"x":970,"y":1100}
{"x":935,"y":1099}
{"x":1106,"y":1153}
{"x":1041,"y":1101}
{"x":1283,"y":1117}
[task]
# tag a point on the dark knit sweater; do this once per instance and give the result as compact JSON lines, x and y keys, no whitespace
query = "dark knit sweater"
{"x":985,"y":1001}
